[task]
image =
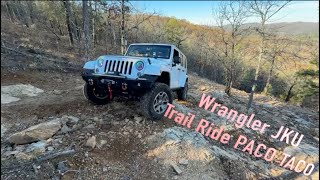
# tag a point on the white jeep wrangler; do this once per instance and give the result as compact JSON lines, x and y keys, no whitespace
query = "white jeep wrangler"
{"x":147,"y":72}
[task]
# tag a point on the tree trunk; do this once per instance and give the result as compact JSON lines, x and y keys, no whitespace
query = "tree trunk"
{"x":114,"y":38}
{"x":265,"y":91}
{"x":289,"y":94}
{"x":77,"y":30}
{"x":9,"y":11}
{"x":229,"y":83}
{"x":232,"y":66}
{"x":86,"y":28}
{"x":122,"y":28}
{"x":68,"y":12}
{"x":24,"y":14}
{"x":94,"y":24}
{"x":31,"y":11}
{"x":60,"y":29}
{"x":261,"y":51}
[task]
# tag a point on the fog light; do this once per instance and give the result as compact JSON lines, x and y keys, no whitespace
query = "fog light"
{"x":139,"y":74}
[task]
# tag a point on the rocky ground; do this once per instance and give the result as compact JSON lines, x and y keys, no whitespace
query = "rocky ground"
{"x":49,"y":130}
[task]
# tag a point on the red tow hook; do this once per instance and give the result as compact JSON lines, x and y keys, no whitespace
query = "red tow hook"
{"x":110,"y":91}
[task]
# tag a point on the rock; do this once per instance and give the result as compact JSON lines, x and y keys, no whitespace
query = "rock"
{"x":105,"y":126}
{"x":20,"y":148}
{"x":6,"y":99}
{"x":315,"y":131}
{"x":36,"y":168}
{"x":102,"y":142}
{"x":138,"y":119}
{"x":38,"y":147}
{"x":90,"y":127}
{"x":57,"y":92}
{"x":62,"y":167}
{"x":207,"y":177}
{"x":23,"y":156}
{"x":79,"y":87}
{"x":126,"y":120}
{"x":9,"y":148}
{"x":115,"y":123}
{"x":176,"y":168}
{"x":35,"y":133}
{"x":3,"y":127}
{"x":220,"y":96}
{"x":304,"y":152}
{"x":203,"y":88}
{"x":91,"y":142}
{"x":125,"y":177}
{"x":65,"y":129}
{"x":139,"y":136}
{"x":104,"y":169}
{"x":72,"y":120}
{"x":50,"y":148}
{"x":99,"y":121}
{"x":21,"y":89}
{"x":267,"y":106}
{"x":183,"y":161}
{"x":9,"y":153}
{"x":168,"y":144}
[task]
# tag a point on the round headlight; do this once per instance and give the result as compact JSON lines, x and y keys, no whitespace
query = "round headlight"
{"x":139,"y":65}
{"x":100,"y":62}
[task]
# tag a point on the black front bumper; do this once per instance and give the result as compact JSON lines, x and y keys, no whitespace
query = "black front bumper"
{"x":120,"y":85}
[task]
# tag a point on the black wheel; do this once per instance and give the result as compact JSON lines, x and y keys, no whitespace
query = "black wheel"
{"x":155,"y":102}
{"x":183,"y":92}
{"x":95,"y":95}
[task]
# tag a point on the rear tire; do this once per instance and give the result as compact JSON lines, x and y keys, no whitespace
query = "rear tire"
{"x":96,"y":96}
{"x":183,"y":92}
{"x":155,"y":102}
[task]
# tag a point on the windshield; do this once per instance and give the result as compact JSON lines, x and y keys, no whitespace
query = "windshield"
{"x":154,"y":51}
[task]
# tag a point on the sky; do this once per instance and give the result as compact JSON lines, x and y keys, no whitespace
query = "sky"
{"x":200,"y":12}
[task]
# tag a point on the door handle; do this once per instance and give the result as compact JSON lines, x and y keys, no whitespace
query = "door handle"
{"x":179,"y":69}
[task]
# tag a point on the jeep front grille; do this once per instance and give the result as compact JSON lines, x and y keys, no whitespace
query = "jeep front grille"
{"x":123,"y":67}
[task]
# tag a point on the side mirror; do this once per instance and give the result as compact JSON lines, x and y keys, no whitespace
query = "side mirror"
{"x":176,"y":60}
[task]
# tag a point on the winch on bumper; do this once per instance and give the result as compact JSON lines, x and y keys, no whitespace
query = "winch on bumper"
{"x":120,"y":85}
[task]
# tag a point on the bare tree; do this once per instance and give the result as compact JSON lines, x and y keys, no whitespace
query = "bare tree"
{"x":86,"y":28}
{"x":275,"y":50}
{"x":265,"y":10}
{"x":231,"y":17}
{"x":123,"y":40}
{"x":68,"y":14}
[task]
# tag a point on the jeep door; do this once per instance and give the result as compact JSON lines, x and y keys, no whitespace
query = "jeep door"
{"x":183,"y":71}
{"x":175,"y":71}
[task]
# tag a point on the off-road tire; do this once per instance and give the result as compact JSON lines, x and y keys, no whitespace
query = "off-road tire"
{"x":183,"y":92}
{"x":88,"y":92}
{"x":148,"y":99}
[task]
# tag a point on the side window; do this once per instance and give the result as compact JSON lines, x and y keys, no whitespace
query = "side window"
{"x":184,"y":61}
{"x":175,"y":53}
{"x":181,"y":58}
